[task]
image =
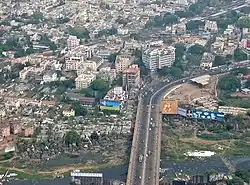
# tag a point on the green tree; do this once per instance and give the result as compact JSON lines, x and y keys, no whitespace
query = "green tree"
{"x":196,"y":49}
{"x":180,"y":50}
{"x":80,"y":110}
{"x":184,"y":14}
{"x":169,"y":19}
{"x":80,"y":32}
{"x":112,"y":57}
{"x":239,"y":55}
{"x":88,"y":92}
{"x":240,"y":70}
{"x":72,"y":137}
{"x":99,"y":85}
{"x":170,"y":71}
{"x":219,"y":60}
{"x":243,"y":23}
{"x":229,"y":83}
{"x":194,"y":25}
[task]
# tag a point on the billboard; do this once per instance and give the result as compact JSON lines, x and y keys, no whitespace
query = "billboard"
{"x":182,"y":112}
{"x":169,"y":106}
{"x":110,"y":105}
{"x":198,"y":114}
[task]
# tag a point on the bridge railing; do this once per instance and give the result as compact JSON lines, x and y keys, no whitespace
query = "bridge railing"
{"x":134,"y":145}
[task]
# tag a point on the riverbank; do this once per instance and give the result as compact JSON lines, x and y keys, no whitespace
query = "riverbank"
{"x":60,"y":171}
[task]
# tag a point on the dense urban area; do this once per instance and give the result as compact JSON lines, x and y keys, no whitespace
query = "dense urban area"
{"x":73,"y":73}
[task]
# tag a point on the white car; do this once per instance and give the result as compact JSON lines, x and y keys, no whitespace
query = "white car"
{"x":149,"y":129}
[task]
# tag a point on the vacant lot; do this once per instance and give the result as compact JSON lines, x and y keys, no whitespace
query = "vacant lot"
{"x":189,"y":93}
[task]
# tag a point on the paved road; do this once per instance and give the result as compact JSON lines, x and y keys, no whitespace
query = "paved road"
{"x":146,"y":139}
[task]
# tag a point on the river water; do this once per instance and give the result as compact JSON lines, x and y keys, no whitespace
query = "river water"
{"x":192,"y":167}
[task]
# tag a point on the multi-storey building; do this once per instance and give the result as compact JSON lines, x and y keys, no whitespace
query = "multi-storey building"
{"x":86,"y":66}
{"x":73,"y":63}
{"x":158,"y":56}
{"x":79,"y":178}
{"x":131,"y":76}
{"x":122,"y":63}
{"x":73,"y":42}
{"x":84,"y":80}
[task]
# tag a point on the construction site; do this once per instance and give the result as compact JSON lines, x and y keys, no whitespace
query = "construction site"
{"x":198,"y":92}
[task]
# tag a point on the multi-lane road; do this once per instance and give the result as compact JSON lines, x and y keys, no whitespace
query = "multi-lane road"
{"x":147,"y":140}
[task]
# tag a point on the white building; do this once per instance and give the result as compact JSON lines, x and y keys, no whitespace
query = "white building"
{"x":122,"y":63}
{"x":84,"y":80}
{"x":158,"y":57}
{"x":73,"y":42}
{"x":50,"y":77}
{"x":211,"y":26}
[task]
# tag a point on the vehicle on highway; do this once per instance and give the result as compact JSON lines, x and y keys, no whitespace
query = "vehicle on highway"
{"x":140,"y":158}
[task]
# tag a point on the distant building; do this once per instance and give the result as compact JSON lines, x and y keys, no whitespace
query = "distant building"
{"x":28,"y":131}
{"x":73,"y":63}
{"x":68,"y":111}
{"x":207,"y":61}
{"x":4,"y":130}
{"x":86,"y":178}
{"x":131,"y":76}
{"x":50,"y":77}
{"x":211,"y":26}
{"x":73,"y":42}
{"x":84,"y":80}
{"x":122,"y":63}
{"x":157,"y":56}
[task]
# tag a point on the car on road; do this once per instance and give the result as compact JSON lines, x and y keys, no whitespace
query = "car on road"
{"x":140,"y":158}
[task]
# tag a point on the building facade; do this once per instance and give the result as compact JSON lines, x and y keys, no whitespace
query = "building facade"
{"x":131,"y":76}
{"x":79,"y":178}
{"x":122,"y":63}
{"x":84,"y":80}
{"x":156,"y":58}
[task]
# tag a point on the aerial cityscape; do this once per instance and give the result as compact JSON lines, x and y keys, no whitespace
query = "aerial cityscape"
{"x":132,"y":92}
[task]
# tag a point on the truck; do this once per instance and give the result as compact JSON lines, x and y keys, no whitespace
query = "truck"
{"x":140,"y":158}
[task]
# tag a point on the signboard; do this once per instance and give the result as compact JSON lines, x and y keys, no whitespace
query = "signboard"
{"x":169,"y":106}
{"x":182,"y":112}
{"x":110,"y":105}
{"x":198,"y":114}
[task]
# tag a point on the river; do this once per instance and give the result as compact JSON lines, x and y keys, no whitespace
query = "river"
{"x":192,"y":166}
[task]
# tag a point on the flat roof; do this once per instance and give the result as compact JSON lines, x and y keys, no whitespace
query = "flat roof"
{"x":203,"y":80}
{"x":80,"y":174}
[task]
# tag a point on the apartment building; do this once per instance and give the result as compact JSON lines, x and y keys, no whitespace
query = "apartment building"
{"x":131,"y":76}
{"x":24,"y":73}
{"x":158,"y":56}
{"x":73,"y":63}
{"x":73,"y":42}
{"x":211,"y":26}
{"x":84,"y":80}
{"x":122,"y":63}
{"x":86,"y":66}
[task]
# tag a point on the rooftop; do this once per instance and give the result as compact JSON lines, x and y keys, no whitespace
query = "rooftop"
{"x":203,"y":80}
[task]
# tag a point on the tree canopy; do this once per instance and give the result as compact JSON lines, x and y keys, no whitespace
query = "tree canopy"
{"x":219,"y":60}
{"x":196,"y":49}
{"x":243,"y":23}
{"x":229,"y":83}
{"x":72,"y":137}
{"x":79,"y":32}
{"x":194,"y":25}
{"x":170,"y":71}
{"x":239,"y":55}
